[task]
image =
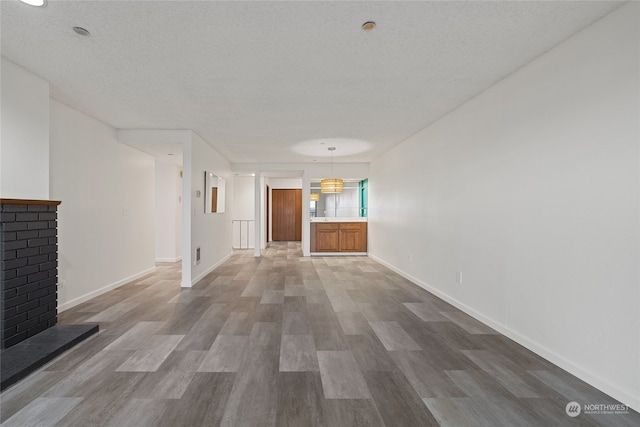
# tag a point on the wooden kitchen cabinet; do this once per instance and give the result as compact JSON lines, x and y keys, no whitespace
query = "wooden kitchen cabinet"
{"x":338,"y":237}
{"x":326,"y":237}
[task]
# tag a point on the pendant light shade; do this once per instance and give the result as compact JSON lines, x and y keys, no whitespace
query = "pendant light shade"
{"x":331,"y":185}
{"x":314,"y":197}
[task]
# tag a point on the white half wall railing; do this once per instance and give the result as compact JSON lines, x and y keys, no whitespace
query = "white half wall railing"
{"x":243,"y":233}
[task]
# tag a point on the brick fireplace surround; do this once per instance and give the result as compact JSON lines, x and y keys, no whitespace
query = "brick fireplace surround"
{"x":29,"y":270}
{"x":29,"y":336}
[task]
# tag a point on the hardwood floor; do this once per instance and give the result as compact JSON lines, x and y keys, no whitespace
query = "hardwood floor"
{"x":285,"y":340}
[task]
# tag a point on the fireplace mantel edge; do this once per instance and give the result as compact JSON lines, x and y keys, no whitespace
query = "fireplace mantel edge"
{"x":29,"y":202}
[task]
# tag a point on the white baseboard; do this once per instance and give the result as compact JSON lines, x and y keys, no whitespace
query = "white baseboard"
{"x":169,"y":259}
{"x":209,"y":270}
{"x":86,"y":297}
{"x":596,"y":381}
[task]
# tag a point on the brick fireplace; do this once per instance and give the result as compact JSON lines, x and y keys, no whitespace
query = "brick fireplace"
{"x":29,"y":335}
{"x":29,"y":270}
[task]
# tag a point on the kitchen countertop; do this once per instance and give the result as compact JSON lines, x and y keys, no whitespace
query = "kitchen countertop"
{"x":339,"y":219}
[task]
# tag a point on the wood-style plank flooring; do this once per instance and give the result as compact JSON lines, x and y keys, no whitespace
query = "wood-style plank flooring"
{"x":284,"y":340}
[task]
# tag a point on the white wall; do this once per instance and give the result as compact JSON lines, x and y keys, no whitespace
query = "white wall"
{"x":531,"y":190}
{"x":211,"y":232}
{"x":243,"y":197}
{"x":105,"y":221}
{"x":24,"y":135}
{"x":284,"y":183}
{"x":312,"y":171}
{"x":178,"y":230}
{"x":168,"y":212}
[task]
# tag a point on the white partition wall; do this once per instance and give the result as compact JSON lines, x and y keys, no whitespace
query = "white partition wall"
{"x":208,"y":233}
{"x":168,"y":216}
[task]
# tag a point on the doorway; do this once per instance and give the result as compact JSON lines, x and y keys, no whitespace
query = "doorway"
{"x":286,"y":215}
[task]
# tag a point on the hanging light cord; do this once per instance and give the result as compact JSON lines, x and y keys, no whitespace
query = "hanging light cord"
{"x":331,"y":149}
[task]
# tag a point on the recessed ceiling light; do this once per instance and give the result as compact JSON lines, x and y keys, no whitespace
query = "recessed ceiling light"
{"x":368,"y":26}
{"x":37,"y":3}
{"x":81,"y":31}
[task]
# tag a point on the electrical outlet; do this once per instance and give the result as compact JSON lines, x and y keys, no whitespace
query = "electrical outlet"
{"x":459,"y":277}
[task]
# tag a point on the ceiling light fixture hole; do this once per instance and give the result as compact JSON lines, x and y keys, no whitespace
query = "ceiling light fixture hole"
{"x":369,"y":25}
{"x":81,"y":31}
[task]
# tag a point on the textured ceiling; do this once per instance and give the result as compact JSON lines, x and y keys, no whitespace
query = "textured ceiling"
{"x":277,"y":81}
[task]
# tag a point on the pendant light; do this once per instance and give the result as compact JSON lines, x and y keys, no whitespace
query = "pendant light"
{"x":331,"y":185}
{"x":314,"y":197}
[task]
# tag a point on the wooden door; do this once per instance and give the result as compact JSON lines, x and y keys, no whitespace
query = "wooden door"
{"x":286,"y":215}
